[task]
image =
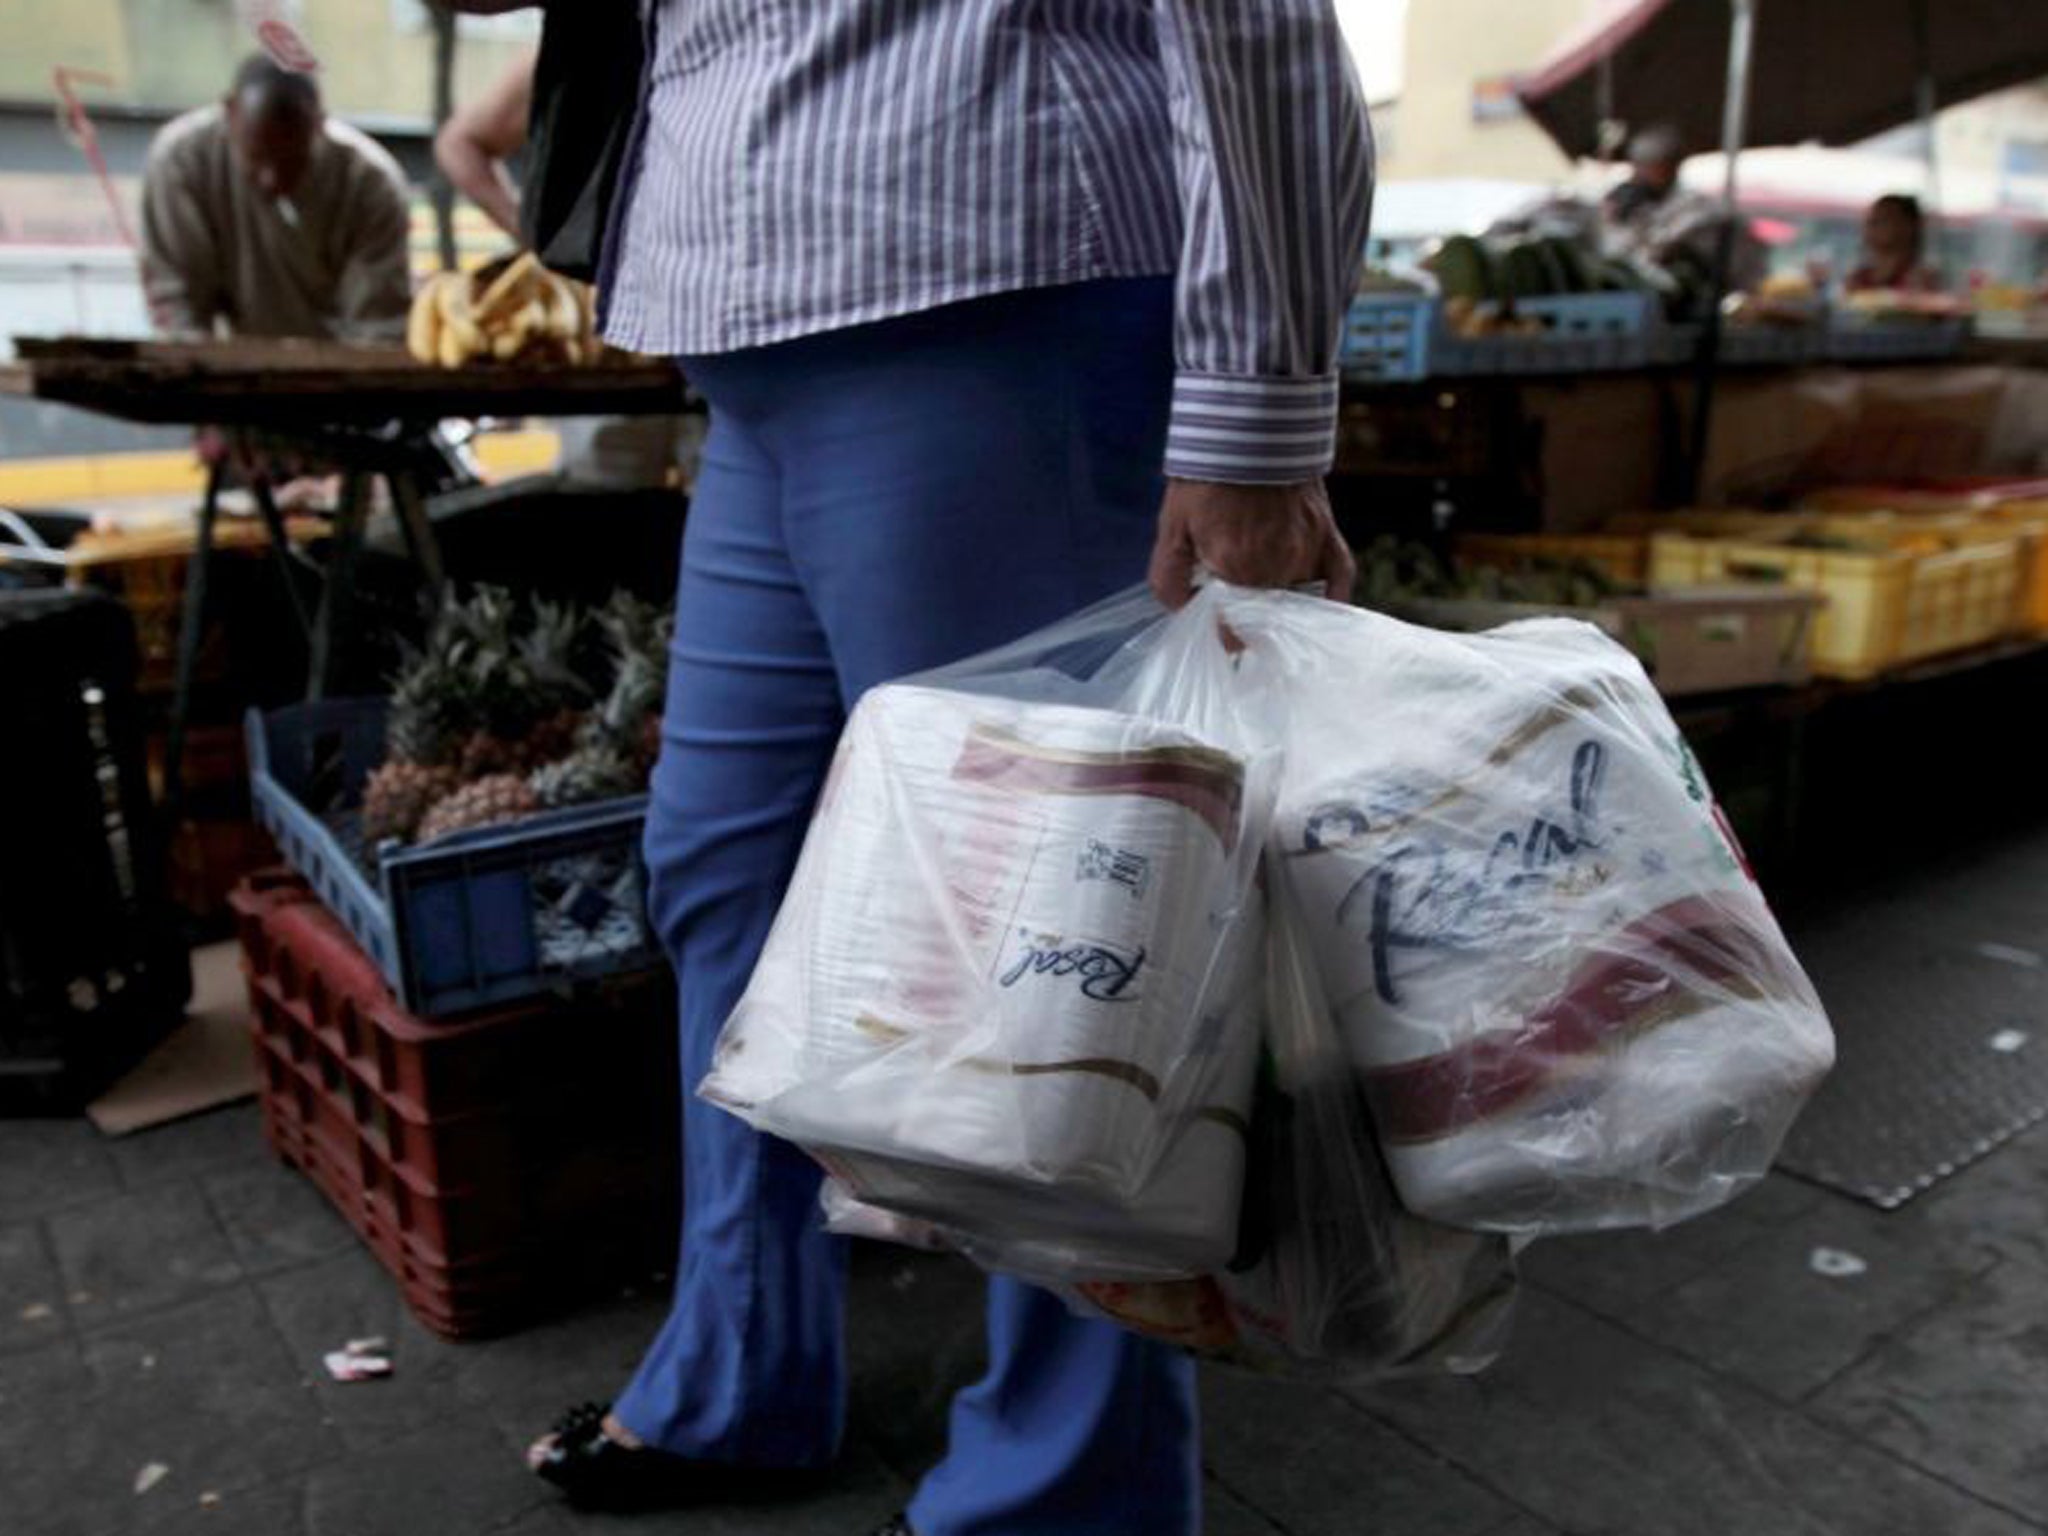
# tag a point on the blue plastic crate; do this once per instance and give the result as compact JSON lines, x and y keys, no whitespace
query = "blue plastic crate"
{"x":1387,"y":337}
{"x":1854,"y":340}
{"x":1583,"y":333}
{"x":1764,"y":346}
{"x":470,"y":921}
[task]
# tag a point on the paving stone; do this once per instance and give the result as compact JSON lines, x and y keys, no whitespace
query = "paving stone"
{"x":862,"y":1494}
{"x":915,"y":1335}
{"x":1310,"y":1461}
{"x":1813,"y":1325}
{"x":523,"y":1382}
{"x":1998,"y":1202}
{"x":1224,"y":1514}
{"x":49,"y":1445}
{"x":1963,"y":1393}
{"x":135,"y":1252}
{"x":274,"y":1216}
{"x":220,"y":1138}
{"x":1595,"y":1430}
{"x":546,"y":1520}
{"x":206,"y":1389}
{"x":46,"y":1165}
{"x":320,"y":1307}
{"x":32,"y":1309}
{"x":176,"y":1508}
{"x":406,"y":1489}
{"x":1612,"y":1272}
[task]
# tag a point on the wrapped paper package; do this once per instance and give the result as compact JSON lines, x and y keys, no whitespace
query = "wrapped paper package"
{"x":1008,"y":990}
{"x":1332,"y":1277}
{"x":1569,"y":1003}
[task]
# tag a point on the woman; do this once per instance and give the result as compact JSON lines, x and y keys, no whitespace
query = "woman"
{"x":996,"y":303}
{"x":1894,"y":243}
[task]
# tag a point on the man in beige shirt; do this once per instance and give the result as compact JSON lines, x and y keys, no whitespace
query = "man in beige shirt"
{"x":266,"y":217}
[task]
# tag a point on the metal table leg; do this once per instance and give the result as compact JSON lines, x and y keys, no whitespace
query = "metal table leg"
{"x":419,"y":532}
{"x":349,"y":522}
{"x":281,"y":553}
{"x":191,"y":631}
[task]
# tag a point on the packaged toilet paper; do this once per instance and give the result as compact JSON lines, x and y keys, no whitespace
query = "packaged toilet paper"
{"x":1010,"y":991}
{"x":1566,"y":999}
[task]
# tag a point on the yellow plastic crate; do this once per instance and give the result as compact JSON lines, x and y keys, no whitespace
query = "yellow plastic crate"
{"x":1706,"y":524}
{"x":1929,"y":533}
{"x":2032,"y":516}
{"x":2001,"y":510}
{"x":1624,"y":557}
{"x":1887,"y":606}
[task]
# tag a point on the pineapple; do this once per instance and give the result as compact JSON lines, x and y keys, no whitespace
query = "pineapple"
{"x":485,"y":803}
{"x":547,"y":652}
{"x":553,"y":739}
{"x":610,"y":757}
{"x":481,"y":700}
{"x":399,"y":794}
{"x":583,"y":777}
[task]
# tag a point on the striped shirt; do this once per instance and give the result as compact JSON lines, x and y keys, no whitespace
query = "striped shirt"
{"x":805,"y":165}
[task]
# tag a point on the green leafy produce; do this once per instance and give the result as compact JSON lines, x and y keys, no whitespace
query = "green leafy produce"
{"x":1392,"y":570}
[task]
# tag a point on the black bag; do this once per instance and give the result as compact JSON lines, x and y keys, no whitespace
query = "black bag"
{"x":586,"y":88}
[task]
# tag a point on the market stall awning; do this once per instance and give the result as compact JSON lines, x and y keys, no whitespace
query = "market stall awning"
{"x":1836,"y":71}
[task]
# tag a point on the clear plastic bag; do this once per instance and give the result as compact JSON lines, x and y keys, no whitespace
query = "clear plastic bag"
{"x":1012,"y":989}
{"x":1331,"y":1278}
{"x":1565,"y":996}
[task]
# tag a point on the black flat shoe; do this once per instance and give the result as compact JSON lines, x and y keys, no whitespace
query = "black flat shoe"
{"x":596,"y":1472}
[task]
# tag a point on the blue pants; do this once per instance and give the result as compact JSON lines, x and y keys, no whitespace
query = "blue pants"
{"x":872,"y":502}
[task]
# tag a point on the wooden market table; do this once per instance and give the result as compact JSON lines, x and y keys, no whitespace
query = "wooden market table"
{"x":372,"y":413}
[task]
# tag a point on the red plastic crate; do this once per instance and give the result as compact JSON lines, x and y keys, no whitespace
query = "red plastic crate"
{"x":497,"y":1165}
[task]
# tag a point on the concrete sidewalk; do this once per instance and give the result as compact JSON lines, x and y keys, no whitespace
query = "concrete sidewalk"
{"x":165,"y":1300}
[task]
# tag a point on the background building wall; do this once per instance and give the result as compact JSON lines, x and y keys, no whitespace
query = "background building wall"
{"x":376,"y":56}
{"x":1455,"y":117}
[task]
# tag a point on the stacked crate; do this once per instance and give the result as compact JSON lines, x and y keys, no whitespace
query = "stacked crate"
{"x":498,"y":1164}
{"x":92,"y":959}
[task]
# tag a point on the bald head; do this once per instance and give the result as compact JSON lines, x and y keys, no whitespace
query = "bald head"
{"x":274,"y":120}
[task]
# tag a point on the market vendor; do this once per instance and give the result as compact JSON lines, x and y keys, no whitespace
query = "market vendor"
{"x":1895,"y":248}
{"x":1655,"y":157}
{"x":263,"y":216}
{"x":1653,"y":216}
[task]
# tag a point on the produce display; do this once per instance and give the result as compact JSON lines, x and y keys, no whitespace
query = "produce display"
{"x":511,"y":708}
{"x":1391,"y":570}
{"x":1896,"y":304}
{"x":1482,"y":279}
{"x":509,"y":311}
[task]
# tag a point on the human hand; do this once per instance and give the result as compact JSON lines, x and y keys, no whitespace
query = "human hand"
{"x":1252,"y":535}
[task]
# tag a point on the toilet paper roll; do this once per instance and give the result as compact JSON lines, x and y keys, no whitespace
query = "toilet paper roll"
{"x":1571,"y":1005}
{"x":1004,"y":957}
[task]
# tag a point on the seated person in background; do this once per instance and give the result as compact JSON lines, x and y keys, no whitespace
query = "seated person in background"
{"x":1655,"y":157}
{"x":1894,"y":249}
{"x":1651,"y":215}
{"x":263,"y":216}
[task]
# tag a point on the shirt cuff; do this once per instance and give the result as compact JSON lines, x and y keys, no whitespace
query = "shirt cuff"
{"x":1251,"y":431}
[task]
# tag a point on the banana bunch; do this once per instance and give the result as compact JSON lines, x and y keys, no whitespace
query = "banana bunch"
{"x":522,"y":312}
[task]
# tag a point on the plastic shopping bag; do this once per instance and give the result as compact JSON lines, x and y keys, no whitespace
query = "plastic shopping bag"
{"x":1011,"y":990}
{"x":1566,"y":998}
{"x":1332,"y":1276}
